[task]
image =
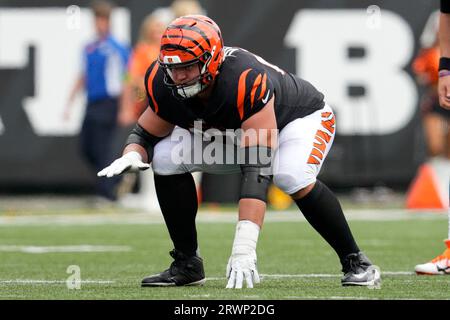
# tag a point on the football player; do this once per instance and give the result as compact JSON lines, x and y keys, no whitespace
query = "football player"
{"x":444,"y":63}
{"x":197,"y":78}
{"x":440,"y":265}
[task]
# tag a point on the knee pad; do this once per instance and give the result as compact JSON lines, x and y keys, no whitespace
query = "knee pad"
{"x":253,"y":184}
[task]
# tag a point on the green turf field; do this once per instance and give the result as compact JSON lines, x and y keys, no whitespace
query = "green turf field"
{"x":293,"y":260}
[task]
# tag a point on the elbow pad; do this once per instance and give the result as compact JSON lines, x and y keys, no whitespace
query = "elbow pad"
{"x":143,"y":138}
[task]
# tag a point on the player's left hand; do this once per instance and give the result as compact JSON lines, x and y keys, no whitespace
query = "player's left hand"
{"x":242,"y":268}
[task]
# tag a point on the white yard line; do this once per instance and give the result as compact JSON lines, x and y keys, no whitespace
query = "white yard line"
{"x":348,"y":298}
{"x":326,"y":297}
{"x":318,"y":275}
{"x":70,"y":248}
{"x":39,"y":281}
{"x":269,"y":276}
{"x":197,"y":295}
{"x":207,"y":217}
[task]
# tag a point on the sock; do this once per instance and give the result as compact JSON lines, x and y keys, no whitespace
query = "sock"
{"x":177,"y":198}
{"x":322,"y":210}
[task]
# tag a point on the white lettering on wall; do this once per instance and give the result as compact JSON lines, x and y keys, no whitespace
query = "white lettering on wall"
{"x":58,"y":38}
{"x":322,"y":39}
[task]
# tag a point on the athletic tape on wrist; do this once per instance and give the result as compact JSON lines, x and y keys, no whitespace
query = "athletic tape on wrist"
{"x":246,"y":238}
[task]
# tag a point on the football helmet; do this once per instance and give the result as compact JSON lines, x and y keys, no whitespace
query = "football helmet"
{"x":190,"y":40}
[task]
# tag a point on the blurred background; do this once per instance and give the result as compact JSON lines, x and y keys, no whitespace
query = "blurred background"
{"x":360,"y":54}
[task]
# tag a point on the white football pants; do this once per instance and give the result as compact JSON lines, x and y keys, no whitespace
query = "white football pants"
{"x":303,"y":145}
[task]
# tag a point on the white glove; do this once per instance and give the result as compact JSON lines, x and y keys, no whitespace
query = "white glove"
{"x":242,"y":263}
{"x":131,"y":162}
{"x":242,"y":267}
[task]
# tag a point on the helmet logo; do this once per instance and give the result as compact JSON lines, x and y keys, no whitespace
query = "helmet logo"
{"x":172,"y":59}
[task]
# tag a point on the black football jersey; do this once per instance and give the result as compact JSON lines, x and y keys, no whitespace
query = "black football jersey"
{"x":244,"y":85}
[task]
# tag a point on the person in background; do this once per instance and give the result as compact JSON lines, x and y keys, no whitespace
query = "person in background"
{"x":134,"y":99}
{"x":102,"y":77}
{"x":440,"y":265}
{"x":144,"y":53}
{"x":435,"y":119}
{"x":444,"y":61}
{"x":186,"y":7}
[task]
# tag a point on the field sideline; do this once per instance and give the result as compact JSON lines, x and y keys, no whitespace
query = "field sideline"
{"x":115,"y":250}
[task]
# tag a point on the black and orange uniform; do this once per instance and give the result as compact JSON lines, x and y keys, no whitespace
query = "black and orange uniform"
{"x":244,"y":85}
{"x":240,"y":85}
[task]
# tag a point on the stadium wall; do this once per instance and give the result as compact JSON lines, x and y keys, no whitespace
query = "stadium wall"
{"x":358,"y":53}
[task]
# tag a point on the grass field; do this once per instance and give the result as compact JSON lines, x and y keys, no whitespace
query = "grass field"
{"x":115,"y":254}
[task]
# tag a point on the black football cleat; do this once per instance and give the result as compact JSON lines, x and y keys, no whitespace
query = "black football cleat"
{"x":184,"y":271}
{"x":359,"y":271}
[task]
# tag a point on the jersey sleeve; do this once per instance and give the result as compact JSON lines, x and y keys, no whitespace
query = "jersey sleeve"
{"x":149,"y":83}
{"x":159,"y":97}
{"x":255,"y":89}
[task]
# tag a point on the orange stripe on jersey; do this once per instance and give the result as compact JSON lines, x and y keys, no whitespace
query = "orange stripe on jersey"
{"x":325,"y":136}
{"x":329,"y":124}
{"x":312,"y":160}
{"x":150,"y":86}
{"x":264,"y":85}
{"x":320,"y":144}
{"x":317,"y":153}
{"x":322,"y":138}
{"x":256,"y":84}
{"x":241,"y":93}
{"x":316,"y":156}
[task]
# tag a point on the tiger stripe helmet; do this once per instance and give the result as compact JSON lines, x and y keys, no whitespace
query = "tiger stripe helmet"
{"x":189,"y":40}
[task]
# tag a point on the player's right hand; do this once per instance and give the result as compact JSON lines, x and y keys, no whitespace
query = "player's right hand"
{"x":129,"y":162}
{"x":240,"y":269}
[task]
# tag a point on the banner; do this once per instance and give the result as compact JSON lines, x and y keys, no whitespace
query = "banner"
{"x":358,"y":53}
